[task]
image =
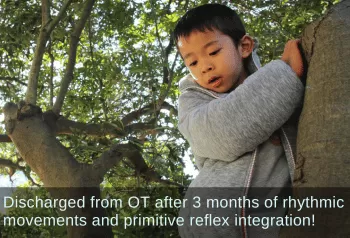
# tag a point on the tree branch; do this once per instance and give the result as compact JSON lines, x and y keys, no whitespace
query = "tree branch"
{"x":167,"y":74}
{"x":135,"y":115}
{"x":174,"y":63}
{"x":73,"y":45}
{"x":157,"y":31}
{"x":166,"y":70}
{"x":52,"y":59}
{"x":68,"y":127}
{"x":13,"y":79}
{"x":13,"y":167}
{"x":27,"y":174}
{"x":102,"y":100}
{"x":107,"y":160}
{"x":59,"y":16}
{"x":110,"y":158}
{"x":149,"y":174}
{"x":8,"y":163}
{"x":63,"y":126}
{"x":46,"y":29}
{"x":45,"y":12}
{"x":139,"y":127}
{"x":5,"y":138}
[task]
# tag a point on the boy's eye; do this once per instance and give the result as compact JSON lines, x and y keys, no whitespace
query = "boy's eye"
{"x":193,"y":63}
{"x":215,"y":52}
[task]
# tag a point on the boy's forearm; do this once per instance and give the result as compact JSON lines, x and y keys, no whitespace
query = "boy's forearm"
{"x":227,"y":128}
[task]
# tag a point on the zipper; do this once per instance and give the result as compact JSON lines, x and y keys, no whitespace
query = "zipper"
{"x":290,"y":152}
{"x":249,"y":180}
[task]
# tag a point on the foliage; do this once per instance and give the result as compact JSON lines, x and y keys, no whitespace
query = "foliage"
{"x":31,"y":231}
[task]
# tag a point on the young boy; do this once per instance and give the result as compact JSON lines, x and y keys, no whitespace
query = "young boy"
{"x":229,"y":114}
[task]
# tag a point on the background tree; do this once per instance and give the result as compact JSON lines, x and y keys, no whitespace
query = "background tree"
{"x":99,"y":83}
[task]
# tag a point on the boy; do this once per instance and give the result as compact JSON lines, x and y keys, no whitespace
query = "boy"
{"x":228,"y":113}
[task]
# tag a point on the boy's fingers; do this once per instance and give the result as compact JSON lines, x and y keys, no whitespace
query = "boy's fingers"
{"x":292,"y":56}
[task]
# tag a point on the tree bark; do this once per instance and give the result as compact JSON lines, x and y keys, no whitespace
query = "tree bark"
{"x":63,"y":176}
{"x":324,"y":131}
{"x":323,"y":151}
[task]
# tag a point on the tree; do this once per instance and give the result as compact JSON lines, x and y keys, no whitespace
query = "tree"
{"x":323,"y":141}
{"x":100,"y":93}
{"x":323,"y":150}
{"x":126,"y":116}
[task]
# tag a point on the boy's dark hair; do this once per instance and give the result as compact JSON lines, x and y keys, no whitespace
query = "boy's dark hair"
{"x":210,"y":17}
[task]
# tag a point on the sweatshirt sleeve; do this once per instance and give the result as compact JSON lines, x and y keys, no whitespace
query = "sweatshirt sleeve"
{"x":228,"y":127}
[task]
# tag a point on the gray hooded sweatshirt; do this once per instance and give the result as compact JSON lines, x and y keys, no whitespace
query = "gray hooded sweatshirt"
{"x":229,"y":137}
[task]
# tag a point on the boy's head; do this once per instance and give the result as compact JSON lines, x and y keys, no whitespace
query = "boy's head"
{"x":213,"y":43}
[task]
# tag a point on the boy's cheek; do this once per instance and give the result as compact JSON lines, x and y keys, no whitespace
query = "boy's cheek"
{"x":194,"y":77}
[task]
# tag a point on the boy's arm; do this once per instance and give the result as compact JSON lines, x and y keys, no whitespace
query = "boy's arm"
{"x":226,"y":128}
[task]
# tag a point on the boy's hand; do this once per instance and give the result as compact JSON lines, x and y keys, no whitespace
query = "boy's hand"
{"x":292,"y":56}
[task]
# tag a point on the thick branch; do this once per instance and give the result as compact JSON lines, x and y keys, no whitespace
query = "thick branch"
{"x":169,"y":107}
{"x":135,"y":115}
{"x":169,"y":47}
{"x":140,"y":166}
{"x":59,"y":16}
{"x":13,"y":167}
{"x":102,"y":100}
{"x":139,"y":127}
{"x":74,"y":40}
{"x":9,"y":164}
{"x":60,"y":126}
{"x":110,"y":158}
{"x":45,"y":11}
{"x":167,"y":75}
{"x":107,"y":160}
{"x":174,"y":63}
{"x":157,"y":31}
{"x":166,"y":70}
{"x":31,"y":94}
{"x":68,"y":127}
{"x":52,"y":59}
{"x":5,"y":138}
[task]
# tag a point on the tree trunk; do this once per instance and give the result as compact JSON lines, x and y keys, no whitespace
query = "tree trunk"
{"x":323,"y":151}
{"x":324,"y":128}
{"x":63,"y":176}
{"x":84,"y":228}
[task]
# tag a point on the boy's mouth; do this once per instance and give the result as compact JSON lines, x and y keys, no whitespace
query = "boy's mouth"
{"x":215,"y":81}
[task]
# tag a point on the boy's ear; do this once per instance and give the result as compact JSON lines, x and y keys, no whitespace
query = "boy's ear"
{"x":247,"y":44}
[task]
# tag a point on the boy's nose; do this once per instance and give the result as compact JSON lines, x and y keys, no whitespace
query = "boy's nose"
{"x":207,"y":67}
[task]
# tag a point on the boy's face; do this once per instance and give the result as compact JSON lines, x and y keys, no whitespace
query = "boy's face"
{"x":213,"y":59}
